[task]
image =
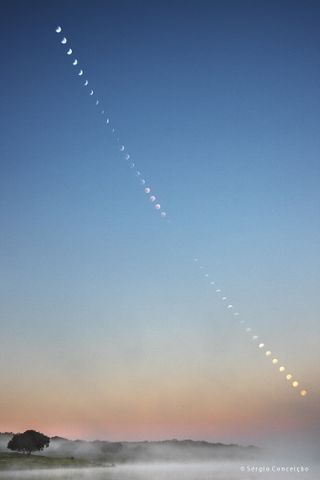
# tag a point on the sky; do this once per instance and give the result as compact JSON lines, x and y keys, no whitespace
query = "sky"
{"x":109,"y":329}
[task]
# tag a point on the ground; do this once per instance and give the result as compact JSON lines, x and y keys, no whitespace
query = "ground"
{"x":19,"y":461}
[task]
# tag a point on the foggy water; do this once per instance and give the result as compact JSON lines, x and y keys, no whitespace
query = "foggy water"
{"x":210,"y":471}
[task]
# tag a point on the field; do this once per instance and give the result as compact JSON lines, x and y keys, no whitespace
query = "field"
{"x":19,"y":461}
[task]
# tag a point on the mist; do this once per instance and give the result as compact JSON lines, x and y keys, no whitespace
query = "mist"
{"x":192,"y":471}
{"x":173,"y":460}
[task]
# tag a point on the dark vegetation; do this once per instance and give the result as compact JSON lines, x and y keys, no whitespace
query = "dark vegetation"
{"x":29,"y":441}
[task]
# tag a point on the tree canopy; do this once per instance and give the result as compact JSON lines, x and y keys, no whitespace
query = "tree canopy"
{"x":29,"y":441}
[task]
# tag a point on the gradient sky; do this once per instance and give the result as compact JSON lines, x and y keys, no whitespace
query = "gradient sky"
{"x":108,"y":330}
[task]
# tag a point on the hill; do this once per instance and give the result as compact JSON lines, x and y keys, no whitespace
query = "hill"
{"x":137,"y":452}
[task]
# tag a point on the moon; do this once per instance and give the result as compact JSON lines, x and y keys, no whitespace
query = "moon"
{"x":69,"y":51}
{"x":86,"y":83}
{"x":80,"y":73}
{"x":91,"y":93}
{"x":147,"y":190}
{"x":75,"y":61}
{"x":64,"y":41}
{"x":59,"y":29}
{"x":163,"y":214}
{"x":157,"y":206}
{"x":152,"y":198}
{"x":127,"y":156}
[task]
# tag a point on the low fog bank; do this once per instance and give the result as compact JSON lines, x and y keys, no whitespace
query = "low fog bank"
{"x":170,"y":451}
{"x":146,"y":452}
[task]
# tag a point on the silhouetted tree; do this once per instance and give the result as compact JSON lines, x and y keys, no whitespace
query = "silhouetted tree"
{"x":29,"y":441}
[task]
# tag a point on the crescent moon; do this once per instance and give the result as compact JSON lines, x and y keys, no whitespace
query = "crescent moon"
{"x":64,"y":41}
{"x":75,"y":61}
{"x":86,"y":83}
{"x":69,"y":51}
{"x":80,"y":73}
{"x":91,"y":93}
{"x":58,"y":29}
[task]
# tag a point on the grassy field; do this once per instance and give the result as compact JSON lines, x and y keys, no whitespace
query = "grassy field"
{"x":19,"y":461}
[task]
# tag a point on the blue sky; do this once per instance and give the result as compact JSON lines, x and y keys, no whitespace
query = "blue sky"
{"x":218,"y":104}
